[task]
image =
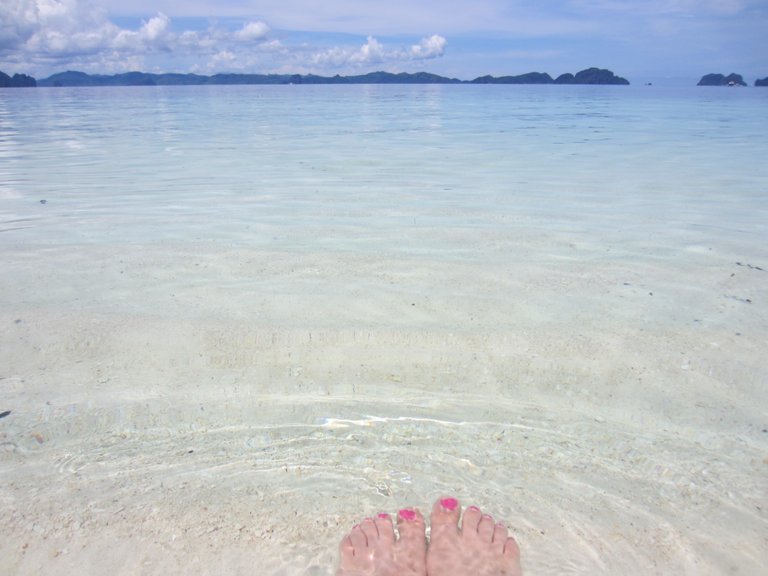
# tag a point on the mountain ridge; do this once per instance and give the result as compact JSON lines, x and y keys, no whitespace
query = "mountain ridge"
{"x":75,"y":78}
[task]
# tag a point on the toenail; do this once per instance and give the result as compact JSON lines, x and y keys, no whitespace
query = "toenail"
{"x":449,"y":503}
{"x":382,"y":515}
{"x":473,"y":508}
{"x":407,"y":514}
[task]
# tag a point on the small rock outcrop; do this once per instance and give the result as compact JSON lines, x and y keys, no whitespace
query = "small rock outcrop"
{"x":720,"y":80}
{"x":761,"y":81}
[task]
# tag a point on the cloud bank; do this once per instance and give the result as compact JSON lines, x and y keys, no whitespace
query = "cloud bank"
{"x":45,"y":36}
{"x":373,"y":52}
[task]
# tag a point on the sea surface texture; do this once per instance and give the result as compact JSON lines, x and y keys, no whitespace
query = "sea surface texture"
{"x":234,"y":321}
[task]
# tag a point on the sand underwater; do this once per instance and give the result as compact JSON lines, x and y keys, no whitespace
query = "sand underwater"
{"x":184,"y":396}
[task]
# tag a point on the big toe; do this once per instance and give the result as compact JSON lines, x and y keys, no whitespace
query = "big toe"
{"x":445,"y":515}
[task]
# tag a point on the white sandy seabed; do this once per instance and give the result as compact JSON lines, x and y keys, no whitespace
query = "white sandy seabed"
{"x":183,"y":409}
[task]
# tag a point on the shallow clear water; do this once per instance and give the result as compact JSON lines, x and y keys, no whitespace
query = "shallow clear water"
{"x":237,"y":319}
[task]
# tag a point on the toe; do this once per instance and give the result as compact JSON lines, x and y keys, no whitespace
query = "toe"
{"x":384,"y":527}
{"x":500,"y":535}
{"x":511,"y":557}
{"x":357,"y":537}
{"x":346,"y":548}
{"x":410,"y":525}
{"x":356,"y":555}
{"x":368,"y":526}
{"x":411,"y":547}
{"x":445,"y":512}
{"x":485,"y":528}
{"x":348,"y":562}
{"x":471,"y":521}
{"x":511,"y":549}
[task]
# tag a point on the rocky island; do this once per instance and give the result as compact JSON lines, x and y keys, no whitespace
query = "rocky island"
{"x":761,"y":81}
{"x":592,"y":76}
{"x":588,"y":76}
{"x":720,"y":80}
{"x":16,"y":81}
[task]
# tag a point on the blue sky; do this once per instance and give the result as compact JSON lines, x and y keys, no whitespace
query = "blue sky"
{"x":672,"y":41}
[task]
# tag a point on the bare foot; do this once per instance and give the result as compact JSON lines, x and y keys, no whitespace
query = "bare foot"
{"x":480,"y":548}
{"x":372,"y":549}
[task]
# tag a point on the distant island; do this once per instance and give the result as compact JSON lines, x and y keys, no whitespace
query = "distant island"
{"x":17,"y":81}
{"x":594,"y":76}
{"x":588,"y":76}
{"x":720,"y":80}
{"x":71,"y":78}
{"x":173,"y":79}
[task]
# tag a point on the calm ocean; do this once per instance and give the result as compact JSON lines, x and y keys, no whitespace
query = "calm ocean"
{"x":242,"y":318}
{"x":356,"y":168}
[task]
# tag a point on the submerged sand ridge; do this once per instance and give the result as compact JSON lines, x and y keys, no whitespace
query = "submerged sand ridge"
{"x":144,"y":442}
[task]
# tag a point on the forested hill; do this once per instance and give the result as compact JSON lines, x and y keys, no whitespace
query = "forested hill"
{"x":16,"y":81}
{"x":588,"y":76}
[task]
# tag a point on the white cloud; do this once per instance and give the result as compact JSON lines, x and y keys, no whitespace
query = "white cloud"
{"x":153,"y":34}
{"x":155,"y":28}
{"x":252,"y":31}
{"x":374,"y":52}
{"x":191,"y":40}
{"x":225,"y":56}
{"x":432,"y":47}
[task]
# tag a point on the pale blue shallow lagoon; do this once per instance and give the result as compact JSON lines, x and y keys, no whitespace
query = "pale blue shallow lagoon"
{"x":236,"y":320}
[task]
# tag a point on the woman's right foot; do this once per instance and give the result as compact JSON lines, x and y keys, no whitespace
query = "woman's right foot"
{"x":372,"y":549}
{"x":480,"y":547}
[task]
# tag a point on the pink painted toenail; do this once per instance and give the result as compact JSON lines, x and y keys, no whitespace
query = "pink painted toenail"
{"x":449,"y":503}
{"x":407,"y":514}
{"x":382,"y":515}
{"x":473,"y":508}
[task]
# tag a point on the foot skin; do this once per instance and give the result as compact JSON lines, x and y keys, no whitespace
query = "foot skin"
{"x":372,"y":549}
{"x":481,"y":547}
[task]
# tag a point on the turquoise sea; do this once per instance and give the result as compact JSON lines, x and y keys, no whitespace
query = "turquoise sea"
{"x":236,"y":320}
